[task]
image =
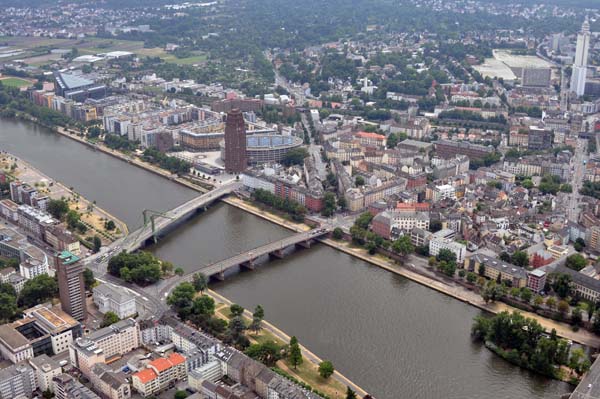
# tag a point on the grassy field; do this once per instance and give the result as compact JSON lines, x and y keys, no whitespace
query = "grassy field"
{"x":15,"y":82}
{"x":36,"y":47}
{"x":196,"y":59}
{"x":198,"y":56}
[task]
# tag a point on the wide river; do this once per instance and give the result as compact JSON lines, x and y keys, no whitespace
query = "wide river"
{"x":391,"y":336}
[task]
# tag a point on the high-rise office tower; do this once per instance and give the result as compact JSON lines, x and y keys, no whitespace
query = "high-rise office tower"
{"x":235,"y":142}
{"x":70,"y":285}
{"x":579,"y":74}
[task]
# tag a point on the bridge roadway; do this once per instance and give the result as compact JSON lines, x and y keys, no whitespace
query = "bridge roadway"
{"x":98,"y":263}
{"x":246,"y":259}
{"x":589,"y":387}
{"x":136,"y":239}
{"x":155,"y":295}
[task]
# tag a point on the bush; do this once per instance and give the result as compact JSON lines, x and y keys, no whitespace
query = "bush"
{"x":326,"y":369}
{"x":337,"y":233}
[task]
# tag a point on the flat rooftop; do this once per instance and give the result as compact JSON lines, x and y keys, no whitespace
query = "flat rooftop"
{"x":11,"y":337}
{"x":415,"y":143}
{"x":71,"y":81}
{"x":51,"y":318}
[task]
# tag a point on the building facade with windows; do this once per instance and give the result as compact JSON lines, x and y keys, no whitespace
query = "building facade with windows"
{"x":17,"y":381}
{"x":117,"y":339}
{"x":70,"y":285}
{"x":45,"y":370}
{"x":440,"y":240}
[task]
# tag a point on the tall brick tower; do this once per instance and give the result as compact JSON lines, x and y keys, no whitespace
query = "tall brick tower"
{"x":235,"y":142}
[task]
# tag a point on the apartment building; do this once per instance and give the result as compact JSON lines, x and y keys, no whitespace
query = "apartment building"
{"x":159,"y":373}
{"x":45,"y":370}
{"x":442,"y":240}
{"x":371,"y":139}
{"x":155,"y":331}
{"x":62,"y":239}
{"x":592,"y":239}
{"x":450,"y":149}
{"x":117,"y":339}
{"x":84,"y":354}
{"x":34,"y":221}
{"x":33,"y":261}
{"x":110,"y":384}
{"x":285,"y":187}
{"x":9,"y":210}
{"x":493,"y":267}
{"x":441,"y":192}
{"x":401,"y":221}
{"x":536,"y":280}
{"x":66,"y":387}
{"x":519,"y":277}
{"x":539,"y":139}
{"x":17,"y":381}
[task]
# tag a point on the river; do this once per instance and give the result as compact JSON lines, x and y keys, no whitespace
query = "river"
{"x":120,"y":188}
{"x":393,"y":337}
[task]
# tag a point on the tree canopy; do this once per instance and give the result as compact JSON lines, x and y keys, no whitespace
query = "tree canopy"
{"x":523,"y":341}
{"x":38,"y":290}
{"x":142,"y":267}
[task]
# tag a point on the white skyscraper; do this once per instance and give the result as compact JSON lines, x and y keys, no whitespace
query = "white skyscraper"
{"x":578,"y":76}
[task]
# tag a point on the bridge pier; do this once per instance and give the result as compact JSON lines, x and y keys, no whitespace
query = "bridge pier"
{"x":275,"y":250}
{"x":278,"y":253}
{"x":304,"y":244}
{"x":219,"y":276}
{"x":249,"y":265}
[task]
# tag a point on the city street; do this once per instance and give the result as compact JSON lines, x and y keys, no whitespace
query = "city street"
{"x":578,"y":171}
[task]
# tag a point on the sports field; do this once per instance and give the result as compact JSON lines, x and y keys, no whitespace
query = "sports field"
{"x":15,"y":82}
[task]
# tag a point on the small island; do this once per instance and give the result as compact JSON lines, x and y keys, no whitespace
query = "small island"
{"x":523,"y":341}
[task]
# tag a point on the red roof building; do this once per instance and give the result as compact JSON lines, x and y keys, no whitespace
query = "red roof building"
{"x":159,"y":373}
{"x":366,"y":138}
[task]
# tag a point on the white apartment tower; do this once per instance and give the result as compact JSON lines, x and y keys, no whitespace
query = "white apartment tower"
{"x":578,"y":77}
